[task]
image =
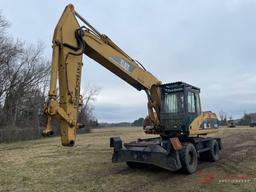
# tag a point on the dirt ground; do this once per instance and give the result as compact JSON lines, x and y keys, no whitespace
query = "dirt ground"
{"x":44,"y":165}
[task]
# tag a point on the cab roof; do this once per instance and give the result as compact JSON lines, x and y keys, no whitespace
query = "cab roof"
{"x":178,"y":85}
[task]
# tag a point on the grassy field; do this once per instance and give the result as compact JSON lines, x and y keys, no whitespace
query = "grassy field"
{"x":44,"y":165}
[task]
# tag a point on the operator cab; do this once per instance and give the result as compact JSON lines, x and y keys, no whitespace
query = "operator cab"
{"x":180,"y":105}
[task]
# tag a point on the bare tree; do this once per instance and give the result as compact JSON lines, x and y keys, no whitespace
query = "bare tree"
{"x":8,"y":52}
{"x":22,"y":71}
{"x":3,"y":23}
{"x":223,"y":117}
{"x":86,"y":112}
{"x":26,"y":75}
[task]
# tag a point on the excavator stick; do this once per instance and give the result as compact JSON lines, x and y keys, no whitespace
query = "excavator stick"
{"x":66,"y":68}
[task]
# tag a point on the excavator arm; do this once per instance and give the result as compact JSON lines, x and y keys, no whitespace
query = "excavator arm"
{"x":70,"y":42}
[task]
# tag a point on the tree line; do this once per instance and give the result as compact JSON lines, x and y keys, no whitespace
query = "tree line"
{"x":245,"y":120}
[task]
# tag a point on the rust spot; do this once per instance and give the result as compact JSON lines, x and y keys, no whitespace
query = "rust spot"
{"x":176,"y":143}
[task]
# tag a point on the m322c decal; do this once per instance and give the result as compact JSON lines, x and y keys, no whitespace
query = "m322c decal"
{"x":123,"y":64}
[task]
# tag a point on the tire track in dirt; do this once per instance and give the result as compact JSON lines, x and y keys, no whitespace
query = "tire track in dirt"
{"x":239,"y":148}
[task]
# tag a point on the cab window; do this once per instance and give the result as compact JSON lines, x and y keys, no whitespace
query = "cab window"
{"x":170,"y":104}
{"x":173,"y":102}
{"x":191,"y":102}
{"x":198,"y":104}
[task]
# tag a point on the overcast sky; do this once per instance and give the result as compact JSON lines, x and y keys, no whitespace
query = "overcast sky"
{"x":208,"y":43}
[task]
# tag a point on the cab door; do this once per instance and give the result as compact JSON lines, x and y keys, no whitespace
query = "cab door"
{"x":193,"y":105}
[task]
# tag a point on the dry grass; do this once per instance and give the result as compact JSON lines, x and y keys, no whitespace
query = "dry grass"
{"x":44,"y":165}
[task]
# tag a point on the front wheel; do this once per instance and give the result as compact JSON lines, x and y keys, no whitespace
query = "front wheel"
{"x":189,"y":158}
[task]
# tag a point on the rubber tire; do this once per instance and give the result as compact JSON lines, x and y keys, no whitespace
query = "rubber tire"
{"x":214,"y":153}
{"x":189,"y":158}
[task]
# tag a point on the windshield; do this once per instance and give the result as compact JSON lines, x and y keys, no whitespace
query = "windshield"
{"x":173,"y":102}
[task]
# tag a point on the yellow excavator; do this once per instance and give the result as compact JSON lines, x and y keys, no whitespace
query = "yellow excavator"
{"x":174,"y":109}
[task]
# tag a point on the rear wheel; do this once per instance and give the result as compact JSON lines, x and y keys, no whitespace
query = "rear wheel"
{"x":189,"y":158}
{"x":214,"y":153}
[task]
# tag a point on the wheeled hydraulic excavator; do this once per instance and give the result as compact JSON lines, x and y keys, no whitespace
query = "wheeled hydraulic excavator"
{"x":174,"y":109}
